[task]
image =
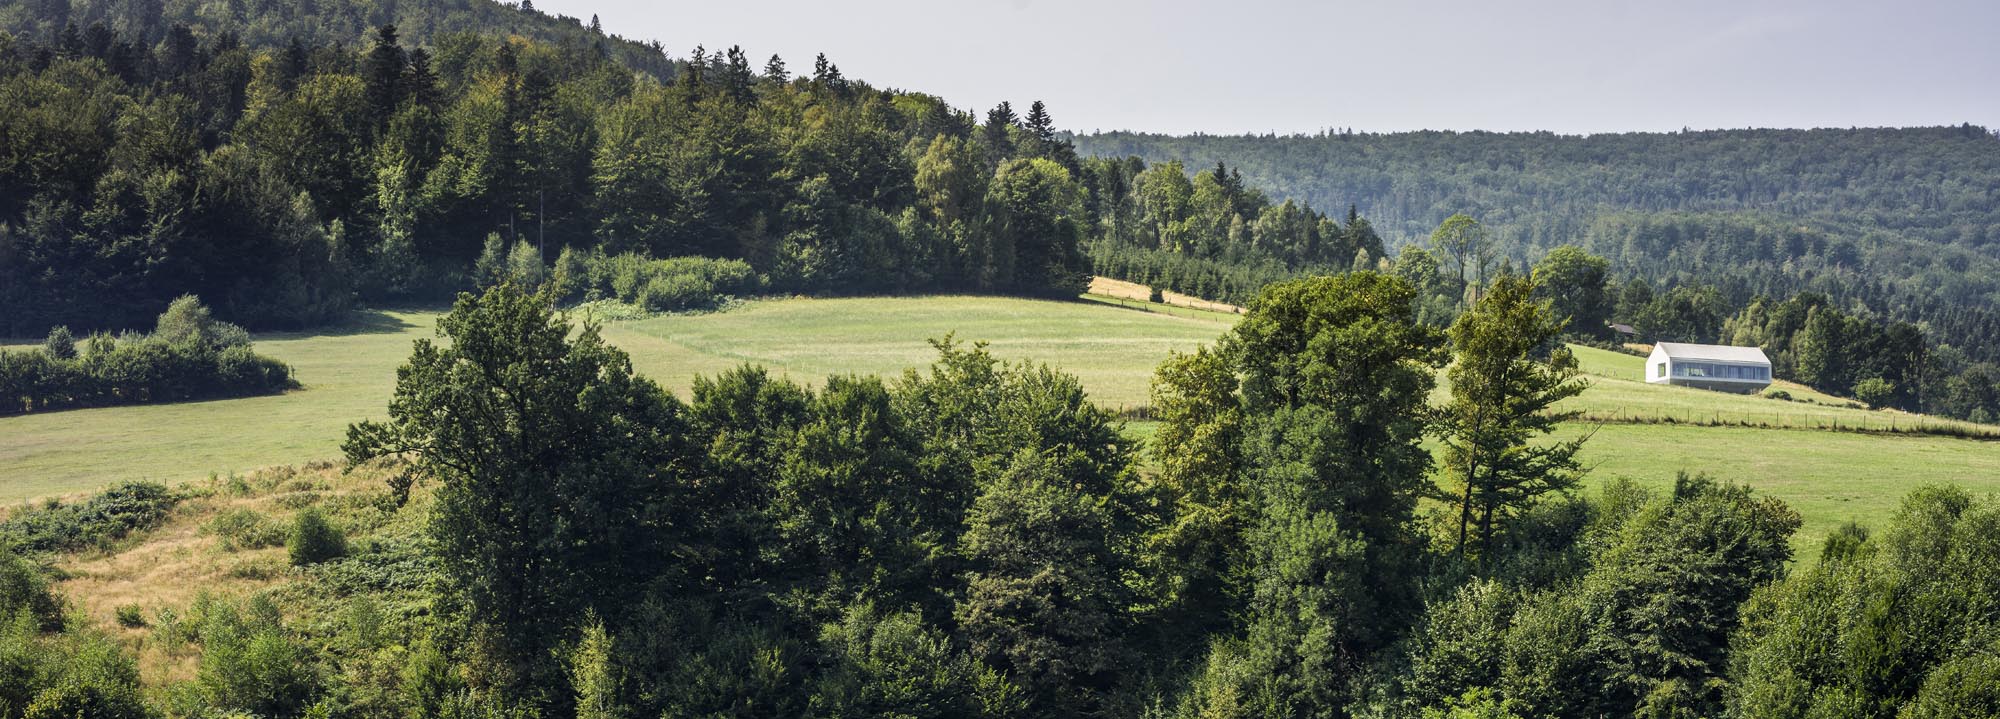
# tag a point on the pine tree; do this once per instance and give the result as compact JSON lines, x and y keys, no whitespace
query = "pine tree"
{"x":384,"y":73}
{"x":1039,"y":123}
{"x":1503,"y":387}
{"x":999,"y":144}
{"x":774,"y":70}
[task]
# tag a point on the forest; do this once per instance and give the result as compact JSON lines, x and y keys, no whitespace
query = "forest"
{"x":283,"y":180}
{"x":1897,"y":224}
{"x":552,"y":535}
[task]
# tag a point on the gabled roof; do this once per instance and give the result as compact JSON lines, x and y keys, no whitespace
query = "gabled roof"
{"x":1719,"y":353}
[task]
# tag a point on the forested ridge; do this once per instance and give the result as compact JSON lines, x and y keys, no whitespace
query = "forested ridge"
{"x":281,"y":167}
{"x":1892,"y":234}
{"x":352,"y":23}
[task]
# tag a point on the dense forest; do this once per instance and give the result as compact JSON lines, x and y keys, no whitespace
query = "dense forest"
{"x":556,"y":536}
{"x":1892,"y":234}
{"x":1903,"y":224}
{"x":145,"y":24}
{"x":283,"y":178}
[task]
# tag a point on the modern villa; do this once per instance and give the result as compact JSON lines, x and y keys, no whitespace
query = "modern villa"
{"x":1744,"y":370}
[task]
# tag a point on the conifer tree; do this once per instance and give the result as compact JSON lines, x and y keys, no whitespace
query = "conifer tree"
{"x":999,"y":144}
{"x":1039,"y":124}
{"x":384,"y":74}
{"x":1509,"y":374}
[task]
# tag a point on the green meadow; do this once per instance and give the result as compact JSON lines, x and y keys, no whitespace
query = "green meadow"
{"x":1643,"y":432}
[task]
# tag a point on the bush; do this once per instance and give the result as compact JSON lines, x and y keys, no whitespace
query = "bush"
{"x":60,"y":345}
{"x":671,"y":285}
{"x":1778,"y":394}
{"x":98,"y":521}
{"x":245,"y":529}
{"x":189,"y":356}
{"x":130,"y":615}
{"x":25,"y":591}
{"x":1875,"y":392}
{"x":313,"y":540}
{"x":255,"y":670}
{"x":72,"y":699}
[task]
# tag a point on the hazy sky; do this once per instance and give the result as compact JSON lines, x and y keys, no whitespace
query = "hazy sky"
{"x":1572,"y":66}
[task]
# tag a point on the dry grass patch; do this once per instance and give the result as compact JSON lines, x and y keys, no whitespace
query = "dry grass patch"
{"x":1134,"y":291}
{"x":166,"y":570}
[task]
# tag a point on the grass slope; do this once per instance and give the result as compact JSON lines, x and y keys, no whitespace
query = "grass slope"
{"x":1830,"y":477}
{"x":349,"y":374}
{"x":1617,"y":394}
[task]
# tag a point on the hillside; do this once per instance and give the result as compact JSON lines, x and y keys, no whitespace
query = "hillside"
{"x":1834,"y":462}
{"x":313,"y":590}
{"x":277,"y":23}
{"x":1900,"y":223}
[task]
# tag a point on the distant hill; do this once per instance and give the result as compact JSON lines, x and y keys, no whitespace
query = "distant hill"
{"x":1901,"y":222}
{"x":272,"y":23}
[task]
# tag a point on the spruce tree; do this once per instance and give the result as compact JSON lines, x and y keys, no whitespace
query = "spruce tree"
{"x":999,"y":144}
{"x":1509,"y":374}
{"x":383,"y":75}
{"x":1039,"y":123}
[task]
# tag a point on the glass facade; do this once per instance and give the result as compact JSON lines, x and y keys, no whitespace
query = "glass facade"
{"x":1708,"y":370}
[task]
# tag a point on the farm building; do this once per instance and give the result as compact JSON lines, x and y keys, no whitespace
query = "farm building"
{"x":1729,"y":369}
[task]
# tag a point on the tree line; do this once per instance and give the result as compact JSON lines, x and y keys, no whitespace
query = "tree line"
{"x":1839,"y":348}
{"x":284,"y":180}
{"x":189,"y":355}
{"x":1899,"y":224}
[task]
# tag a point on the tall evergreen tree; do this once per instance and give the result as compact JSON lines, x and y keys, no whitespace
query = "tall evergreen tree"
{"x":383,"y":74}
{"x":1507,"y":375}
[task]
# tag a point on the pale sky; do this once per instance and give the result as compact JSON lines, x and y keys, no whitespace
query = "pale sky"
{"x":1571,"y":66}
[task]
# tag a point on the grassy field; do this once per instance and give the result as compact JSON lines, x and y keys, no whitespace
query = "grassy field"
{"x":1618,"y":395}
{"x":1829,"y":477}
{"x":349,"y":374}
{"x":1113,"y":351}
{"x":1112,"y":344}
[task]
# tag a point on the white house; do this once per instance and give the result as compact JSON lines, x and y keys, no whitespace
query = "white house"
{"x":1729,"y":369}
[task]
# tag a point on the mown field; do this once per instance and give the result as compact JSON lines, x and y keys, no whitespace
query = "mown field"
{"x":350,"y":372}
{"x":1643,"y":432}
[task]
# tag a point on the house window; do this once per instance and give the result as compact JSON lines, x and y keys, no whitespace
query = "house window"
{"x":1662,"y":371}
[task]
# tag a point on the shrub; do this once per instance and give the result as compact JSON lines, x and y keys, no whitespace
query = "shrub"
{"x":1155,"y":296}
{"x":97,"y":521}
{"x":1778,"y":394}
{"x":1875,"y":392}
{"x":670,"y":285}
{"x":87,"y":699}
{"x":25,"y":591}
{"x":255,"y":670}
{"x":60,"y":345}
{"x":130,"y":615}
{"x":245,"y":529}
{"x":314,"y":540}
{"x":189,"y":356}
